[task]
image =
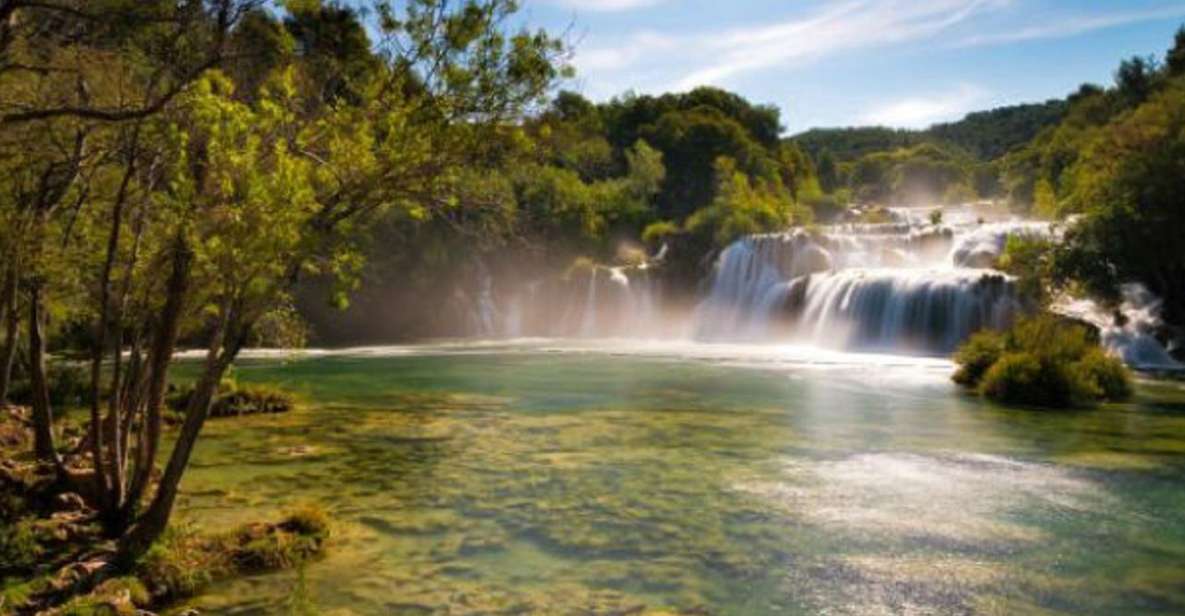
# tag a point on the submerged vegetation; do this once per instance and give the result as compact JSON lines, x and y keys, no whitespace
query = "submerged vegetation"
{"x":1041,"y":361}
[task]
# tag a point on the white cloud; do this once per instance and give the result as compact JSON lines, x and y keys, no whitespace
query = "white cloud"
{"x":922,"y":111}
{"x":1073,"y":25}
{"x":681,"y":61}
{"x":606,"y":5}
{"x":709,"y":58}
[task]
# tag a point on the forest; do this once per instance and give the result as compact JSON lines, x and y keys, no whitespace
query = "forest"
{"x":221,"y":175}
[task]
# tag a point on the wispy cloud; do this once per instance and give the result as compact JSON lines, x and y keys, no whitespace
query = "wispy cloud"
{"x":713,"y":57}
{"x":1073,"y":25}
{"x":606,"y":5}
{"x":922,"y":111}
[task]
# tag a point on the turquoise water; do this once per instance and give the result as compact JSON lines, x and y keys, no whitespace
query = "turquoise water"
{"x":560,"y":479}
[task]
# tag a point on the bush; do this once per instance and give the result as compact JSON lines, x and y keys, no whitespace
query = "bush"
{"x":656,"y":233}
{"x":1014,"y":377}
{"x":827,"y":208}
{"x":1041,"y":361}
{"x":69,"y":385}
{"x":1111,"y":376}
{"x":233,"y":400}
{"x":977,"y":355}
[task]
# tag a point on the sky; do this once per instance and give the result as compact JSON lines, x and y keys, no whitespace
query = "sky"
{"x":904,"y":63}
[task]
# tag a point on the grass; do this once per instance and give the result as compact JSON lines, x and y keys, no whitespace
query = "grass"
{"x":184,"y":561}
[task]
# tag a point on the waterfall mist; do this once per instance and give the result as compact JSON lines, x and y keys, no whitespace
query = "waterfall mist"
{"x":919,"y":284}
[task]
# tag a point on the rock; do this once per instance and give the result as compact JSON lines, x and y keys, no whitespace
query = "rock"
{"x":68,"y":502}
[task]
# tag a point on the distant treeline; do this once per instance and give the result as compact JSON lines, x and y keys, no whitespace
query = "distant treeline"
{"x":985,"y":135}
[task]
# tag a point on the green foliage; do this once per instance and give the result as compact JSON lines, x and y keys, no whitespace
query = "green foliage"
{"x":920,"y":174}
{"x":180,"y":564}
{"x":1108,"y":373}
{"x":1127,"y":185}
{"x":828,"y":207}
{"x":743,"y":207}
{"x":986,"y":135}
{"x":1017,"y":378}
{"x":233,"y":400}
{"x":1029,"y":258}
{"x":656,"y":232}
{"x":1041,"y":361}
{"x":977,"y":355}
{"x":183,"y":561}
{"x":69,"y":385}
{"x":20,"y":549}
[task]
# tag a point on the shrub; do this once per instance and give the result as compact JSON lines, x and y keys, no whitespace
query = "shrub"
{"x":1014,"y":377}
{"x":233,"y":400}
{"x":656,"y":233}
{"x":69,"y":385}
{"x":1042,"y":361}
{"x":826,"y":208}
{"x":977,"y":355}
{"x":1108,"y":373}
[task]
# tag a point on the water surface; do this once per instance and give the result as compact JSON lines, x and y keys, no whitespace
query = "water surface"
{"x":554,"y":478}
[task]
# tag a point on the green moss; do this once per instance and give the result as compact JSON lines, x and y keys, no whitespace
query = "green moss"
{"x":20,"y":549}
{"x":184,"y":562}
{"x":124,"y":596}
{"x":180,"y":564}
{"x":234,"y":400}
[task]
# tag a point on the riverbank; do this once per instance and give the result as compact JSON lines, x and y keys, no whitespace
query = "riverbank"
{"x":55,"y":559}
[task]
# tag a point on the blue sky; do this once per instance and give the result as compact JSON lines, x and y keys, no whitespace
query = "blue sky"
{"x":854,"y":62}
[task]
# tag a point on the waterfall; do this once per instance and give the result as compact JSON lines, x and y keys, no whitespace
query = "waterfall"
{"x":904,"y":310}
{"x":588,"y":325}
{"x":909,"y":286}
{"x":914,"y":285}
{"x":1129,"y":331}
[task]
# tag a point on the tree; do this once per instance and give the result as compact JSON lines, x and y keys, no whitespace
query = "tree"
{"x":1128,"y":185}
{"x":138,"y":180}
{"x":828,"y":171}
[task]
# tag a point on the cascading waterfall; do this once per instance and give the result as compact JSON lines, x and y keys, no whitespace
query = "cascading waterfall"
{"x":1127,"y":332}
{"x":902,"y":287}
{"x":589,"y":326}
{"x":916,"y":285}
{"x":597,"y":301}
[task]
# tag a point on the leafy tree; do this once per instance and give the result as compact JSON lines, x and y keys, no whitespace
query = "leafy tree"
{"x":741,"y":207}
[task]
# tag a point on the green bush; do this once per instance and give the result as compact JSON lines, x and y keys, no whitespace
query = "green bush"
{"x":1041,"y":361}
{"x":233,"y":400}
{"x":1111,"y":376}
{"x":1014,"y":377}
{"x":657,"y":232}
{"x":69,"y":385}
{"x":977,"y":355}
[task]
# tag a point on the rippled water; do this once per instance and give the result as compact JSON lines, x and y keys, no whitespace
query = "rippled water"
{"x":698,"y":479}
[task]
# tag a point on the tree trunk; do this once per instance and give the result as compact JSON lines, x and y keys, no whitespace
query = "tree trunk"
{"x":12,"y":319}
{"x":43,"y":439}
{"x":160,"y":353}
{"x":225,"y":342}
